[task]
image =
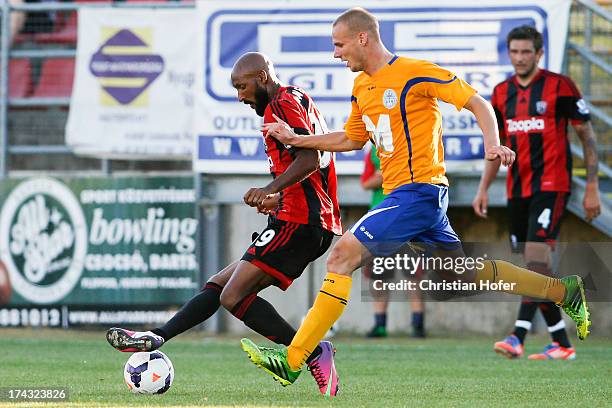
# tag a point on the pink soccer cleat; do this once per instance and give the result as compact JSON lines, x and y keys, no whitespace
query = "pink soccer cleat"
{"x":323,"y":370}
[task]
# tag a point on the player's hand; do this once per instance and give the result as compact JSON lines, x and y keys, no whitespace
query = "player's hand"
{"x":506,"y":155}
{"x":480,"y":203}
{"x":269,"y":204}
{"x":591,"y":203}
{"x":280,"y":130}
{"x":255,"y":197}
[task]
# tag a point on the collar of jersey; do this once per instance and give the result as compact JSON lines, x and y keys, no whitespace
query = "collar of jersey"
{"x":384,"y":67}
{"x":533,"y":80}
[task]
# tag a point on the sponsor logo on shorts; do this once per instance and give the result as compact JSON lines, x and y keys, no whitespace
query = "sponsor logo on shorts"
{"x":366,"y":232}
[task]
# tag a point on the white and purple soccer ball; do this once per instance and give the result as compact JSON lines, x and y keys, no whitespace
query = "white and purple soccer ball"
{"x":148,"y":373}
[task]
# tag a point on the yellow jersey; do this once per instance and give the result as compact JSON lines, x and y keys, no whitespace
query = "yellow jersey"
{"x":397,"y":109}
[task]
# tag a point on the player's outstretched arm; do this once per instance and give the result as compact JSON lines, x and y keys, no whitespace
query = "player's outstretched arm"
{"x":483,"y":111}
{"x":306,"y":162}
{"x":329,"y":142}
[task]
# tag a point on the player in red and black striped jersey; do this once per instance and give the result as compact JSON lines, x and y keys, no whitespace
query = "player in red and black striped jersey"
{"x":312,"y":200}
{"x":533,"y":109}
{"x":533,"y":121}
{"x":304,"y":217}
{"x":302,"y":226}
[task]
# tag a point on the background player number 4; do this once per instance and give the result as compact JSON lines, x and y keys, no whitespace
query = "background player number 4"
{"x":544,"y":218}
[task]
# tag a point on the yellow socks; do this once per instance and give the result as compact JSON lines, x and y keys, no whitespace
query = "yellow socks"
{"x":327,"y":308}
{"x":527,"y":283}
{"x":334,"y":295}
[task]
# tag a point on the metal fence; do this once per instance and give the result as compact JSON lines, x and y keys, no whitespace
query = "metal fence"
{"x":35,"y":96}
{"x":589,"y":62}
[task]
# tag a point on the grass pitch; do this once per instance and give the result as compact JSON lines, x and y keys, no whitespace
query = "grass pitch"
{"x":457,"y":372}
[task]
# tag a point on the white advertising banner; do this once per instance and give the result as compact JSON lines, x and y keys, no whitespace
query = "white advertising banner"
{"x":133,"y":88}
{"x":469,"y":39}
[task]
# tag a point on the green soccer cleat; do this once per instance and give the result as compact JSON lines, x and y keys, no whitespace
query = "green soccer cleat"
{"x":575,"y":305}
{"x":272,"y":361}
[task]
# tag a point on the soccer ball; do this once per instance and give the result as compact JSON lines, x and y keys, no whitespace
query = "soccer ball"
{"x":148,"y":373}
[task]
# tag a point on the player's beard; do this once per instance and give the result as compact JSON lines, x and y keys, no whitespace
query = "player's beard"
{"x":527,"y":73}
{"x":261,"y":100}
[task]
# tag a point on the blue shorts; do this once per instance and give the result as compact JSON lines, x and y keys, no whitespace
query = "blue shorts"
{"x":414,"y":212}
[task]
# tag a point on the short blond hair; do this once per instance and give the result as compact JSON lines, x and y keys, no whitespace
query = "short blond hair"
{"x":359,"y":19}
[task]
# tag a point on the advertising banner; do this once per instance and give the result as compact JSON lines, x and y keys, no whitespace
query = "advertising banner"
{"x":133,"y":88}
{"x":69,"y":316}
{"x":469,"y":39}
{"x":97,"y":241}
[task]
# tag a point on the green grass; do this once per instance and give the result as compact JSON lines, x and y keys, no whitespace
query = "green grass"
{"x":384,"y":373}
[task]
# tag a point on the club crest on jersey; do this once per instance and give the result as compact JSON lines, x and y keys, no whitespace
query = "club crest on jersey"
{"x":541,"y":107}
{"x":389,"y":99}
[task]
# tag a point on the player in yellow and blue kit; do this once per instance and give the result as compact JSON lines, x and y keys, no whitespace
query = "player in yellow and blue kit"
{"x":394,"y":104}
{"x":411,"y":160}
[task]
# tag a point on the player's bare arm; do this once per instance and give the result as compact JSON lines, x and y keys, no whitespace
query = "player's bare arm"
{"x":483,"y":111}
{"x":481,"y":200}
{"x":305,"y":163}
{"x":591,"y":202}
{"x":329,"y":142}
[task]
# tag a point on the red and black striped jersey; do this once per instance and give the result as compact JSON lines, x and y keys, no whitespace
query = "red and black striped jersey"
{"x":313,"y":200}
{"x":533,"y":122}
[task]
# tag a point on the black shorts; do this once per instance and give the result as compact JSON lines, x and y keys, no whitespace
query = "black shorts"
{"x":536,"y":218}
{"x":284,"y":249}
